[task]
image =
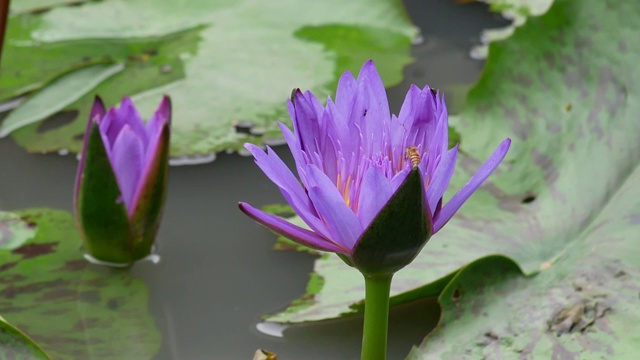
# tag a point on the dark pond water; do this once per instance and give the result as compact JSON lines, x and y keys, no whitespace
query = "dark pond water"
{"x":218,"y":274}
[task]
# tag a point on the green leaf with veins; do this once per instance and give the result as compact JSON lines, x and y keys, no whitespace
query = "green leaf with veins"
{"x":563,"y":205}
{"x":74,"y":310}
{"x":249,"y":56}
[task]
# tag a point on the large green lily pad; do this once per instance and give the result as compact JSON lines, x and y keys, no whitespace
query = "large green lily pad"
{"x":247,"y":58}
{"x":563,"y":88}
{"x":74,"y":310}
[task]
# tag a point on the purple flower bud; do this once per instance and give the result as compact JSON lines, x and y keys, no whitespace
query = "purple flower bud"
{"x":353,"y":158}
{"x":121,"y":181}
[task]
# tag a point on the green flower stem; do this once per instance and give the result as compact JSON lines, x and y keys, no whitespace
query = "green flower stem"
{"x":376,"y":317}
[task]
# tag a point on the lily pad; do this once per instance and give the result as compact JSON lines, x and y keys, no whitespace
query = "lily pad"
{"x":516,"y":10}
{"x":563,"y":87}
{"x":14,"y":344}
{"x":14,"y":231}
{"x":249,"y":57}
{"x":60,"y":93}
{"x":74,"y":310}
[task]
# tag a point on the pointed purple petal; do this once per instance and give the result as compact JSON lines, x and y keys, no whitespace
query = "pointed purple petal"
{"x":441,"y":177}
{"x":291,"y":231}
{"x":344,"y":94}
{"x":127,"y":161}
{"x":162,"y":116}
{"x":343,"y":225}
{"x":368,"y":117}
{"x":159,"y":136}
{"x":278,"y":172}
{"x":375,"y":192}
{"x":106,"y":123}
{"x":126,"y":114}
{"x":369,"y":72}
{"x":467,"y":190}
{"x":307,"y":122}
{"x":294,"y":147}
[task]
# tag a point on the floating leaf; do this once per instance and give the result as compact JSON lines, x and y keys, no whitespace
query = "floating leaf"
{"x":563,"y":87}
{"x":247,"y":61}
{"x":516,"y":10}
{"x":60,"y":93}
{"x":14,"y":231}
{"x":74,"y":310}
{"x":14,"y":344}
{"x":158,"y":60}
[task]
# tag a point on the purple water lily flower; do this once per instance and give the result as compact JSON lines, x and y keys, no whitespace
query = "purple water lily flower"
{"x":352,"y":156}
{"x":121,"y":181}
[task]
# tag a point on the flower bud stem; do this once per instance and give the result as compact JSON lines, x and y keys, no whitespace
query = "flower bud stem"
{"x":376,"y":317}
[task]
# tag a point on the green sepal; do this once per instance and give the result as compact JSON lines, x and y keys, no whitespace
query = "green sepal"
{"x":101,"y":212}
{"x":148,"y":210}
{"x":398,"y":233}
{"x":347,"y":260}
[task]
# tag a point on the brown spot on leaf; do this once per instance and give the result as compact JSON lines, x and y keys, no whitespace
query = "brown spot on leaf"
{"x":8,"y":266}
{"x":74,"y":265}
{"x":32,"y":250}
{"x":57,"y":294}
{"x":86,"y":323}
{"x":12,"y":291}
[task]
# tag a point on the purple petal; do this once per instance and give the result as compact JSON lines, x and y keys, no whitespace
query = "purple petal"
{"x":306,"y":122}
{"x":399,"y":178}
{"x":162,"y":116}
{"x":476,"y":180}
{"x":97,"y":113}
{"x":369,"y":72}
{"x":375,"y":192}
{"x":342,"y":223}
{"x":278,"y":172}
{"x":409,"y":106}
{"x":441,"y":177}
{"x":344,"y":94}
{"x":294,"y":146}
{"x":157,"y":125}
{"x":126,"y":114}
{"x":291,"y":231}
{"x":127,"y":161}
{"x":108,"y":121}
{"x":368,"y":117}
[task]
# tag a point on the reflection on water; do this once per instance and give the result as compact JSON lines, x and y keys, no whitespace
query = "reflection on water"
{"x":218,"y":274}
